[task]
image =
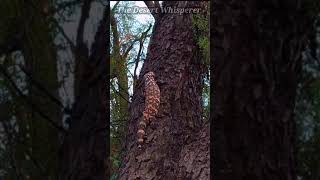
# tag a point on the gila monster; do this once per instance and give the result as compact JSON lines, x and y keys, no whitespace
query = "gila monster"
{"x":152,"y":103}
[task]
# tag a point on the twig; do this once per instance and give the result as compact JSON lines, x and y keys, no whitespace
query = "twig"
{"x":40,"y":87}
{"x":118,"y":92}
{"x":61,"y":30}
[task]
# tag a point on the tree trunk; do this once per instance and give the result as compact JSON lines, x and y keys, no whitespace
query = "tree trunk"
{"x":38,"y":144}
{"x":257,"y":60}
{"x":85,"y":153}
{"x":169,"y":151}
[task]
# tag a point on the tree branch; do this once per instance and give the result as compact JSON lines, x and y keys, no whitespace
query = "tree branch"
{"x":41,"y":88}
{"x":115,"y":6}
{"x":72,"y":45}
{"x":99,"y":46}
{"x":99,"y":50}
{"x":118,"y":92}
{"x":64,"y":5}
{"x":53,"y":123}
{"x":136,"y":64}
{"x":143,"y":37}
{"x":122,"y":88}
{"x":125,"y":55}
{"x":84,"y":16}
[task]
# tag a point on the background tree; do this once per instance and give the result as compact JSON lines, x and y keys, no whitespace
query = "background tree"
{"x":53,"y":89}
{"x":257,"y":62}
{"x":32,"y":60}
{"x":84,"y":153}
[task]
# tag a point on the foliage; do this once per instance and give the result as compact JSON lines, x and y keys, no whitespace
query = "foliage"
{"x":201,"y":27}
{"x":308,"y":113}
{"x":201,"y":31}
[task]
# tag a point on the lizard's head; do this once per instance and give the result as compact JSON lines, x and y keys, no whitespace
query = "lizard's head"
{"x":150,"y":74}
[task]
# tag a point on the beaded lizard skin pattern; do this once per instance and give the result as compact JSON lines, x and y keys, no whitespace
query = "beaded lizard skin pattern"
{"x":152,"y":102}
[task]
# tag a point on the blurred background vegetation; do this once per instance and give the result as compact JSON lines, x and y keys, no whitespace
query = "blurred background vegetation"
{"x":307,"y":110}
{"x":39,"y":44}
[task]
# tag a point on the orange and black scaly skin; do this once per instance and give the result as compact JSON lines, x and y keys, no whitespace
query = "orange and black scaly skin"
{"x":152,"y":103}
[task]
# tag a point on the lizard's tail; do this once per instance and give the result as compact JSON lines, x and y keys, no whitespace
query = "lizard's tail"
{"x":141,"y":130}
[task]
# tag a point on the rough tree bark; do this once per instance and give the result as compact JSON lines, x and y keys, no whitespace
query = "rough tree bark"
{"x":257,"y":59}
{"x":177,"y":144}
